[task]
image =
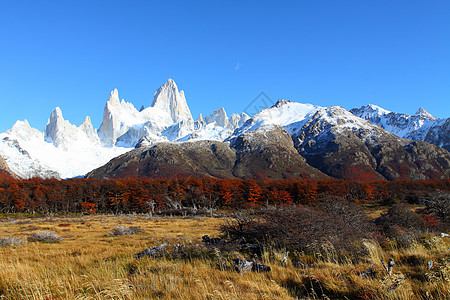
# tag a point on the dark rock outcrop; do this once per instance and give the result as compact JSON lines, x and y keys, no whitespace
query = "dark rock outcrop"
{"x":269,"y":153}
{"x":152,"y":251}
{"x":248,"y":265}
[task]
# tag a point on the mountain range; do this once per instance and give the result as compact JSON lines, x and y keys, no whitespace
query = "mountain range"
{"x":422,"y":126}
{"x":287,"y":140}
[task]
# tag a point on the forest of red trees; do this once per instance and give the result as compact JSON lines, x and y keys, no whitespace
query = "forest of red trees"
{"x":155,"y":195}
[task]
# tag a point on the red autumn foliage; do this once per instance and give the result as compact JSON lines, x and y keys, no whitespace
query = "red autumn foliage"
{"x":153,"y":195}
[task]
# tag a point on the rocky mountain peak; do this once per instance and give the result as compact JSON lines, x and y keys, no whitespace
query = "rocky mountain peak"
{"x":88,"y":129}
{"x":281,"y":102}
{"x":54,"y":125}
{"x":200,"y":118}
{"x":219,"y":116}
{"x":114,"y":98}
{"x":87,"y":121}
{"x":378,"y":110}
{"x":421,"y":112}
{"x":23,"y":131}
{"x":369,"y":111}
{"x":167,"y":98}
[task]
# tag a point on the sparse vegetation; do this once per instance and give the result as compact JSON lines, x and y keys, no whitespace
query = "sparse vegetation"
{"x":304,"y":229}
{"x":45,"y":237}
{"x":121,"y":230}
{"x":184,"y":238}
{"x":11,"y":241}
{"x":90,"y":264}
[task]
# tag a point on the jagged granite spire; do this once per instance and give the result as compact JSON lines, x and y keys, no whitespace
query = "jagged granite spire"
{"x":219,"y":116}
{"x":108,"y":131}
{"x":54,"y":127}
{"x":169,"y":99}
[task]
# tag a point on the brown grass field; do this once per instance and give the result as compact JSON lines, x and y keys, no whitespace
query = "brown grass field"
{"x":89,"y":264}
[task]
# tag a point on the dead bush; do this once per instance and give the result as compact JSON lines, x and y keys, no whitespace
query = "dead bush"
{"x":438,"y":206}
{"x":334,"y":222}
{"x":402,"y":224}
{"x":11,"y":241}
{"x":45,"y":237}
{"x":124,"y":230}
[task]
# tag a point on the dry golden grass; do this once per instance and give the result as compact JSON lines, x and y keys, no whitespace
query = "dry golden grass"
{"x":88,"y":264}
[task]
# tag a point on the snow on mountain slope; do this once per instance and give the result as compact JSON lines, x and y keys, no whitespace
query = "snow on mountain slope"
{"x":64,"y":135}
{"x":217,"y":126}
{"x":295,"y":117}
{"x":19,"y":159}
{"x":120,"y":117}
{"x":422,"y":126}
{"x":332,"y":122}
{"x":290,"y":115}
{"x":64,"y":150}
{"x":29,"y":155}
{"x":5,"y":171}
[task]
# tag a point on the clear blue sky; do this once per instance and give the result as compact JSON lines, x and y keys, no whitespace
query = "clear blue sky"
{"x":71,"y":54}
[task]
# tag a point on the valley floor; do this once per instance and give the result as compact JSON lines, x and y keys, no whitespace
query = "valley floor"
{"x":92,"y":262}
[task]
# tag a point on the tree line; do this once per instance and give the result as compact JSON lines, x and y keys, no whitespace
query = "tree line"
{"x":137,"y":195}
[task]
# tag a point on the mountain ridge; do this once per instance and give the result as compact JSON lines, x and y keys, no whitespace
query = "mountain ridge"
{"x":321,"y":136}
{"x":422,"y":126}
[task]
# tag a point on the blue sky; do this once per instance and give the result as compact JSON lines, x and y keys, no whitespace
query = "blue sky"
{"x":71,"y":54}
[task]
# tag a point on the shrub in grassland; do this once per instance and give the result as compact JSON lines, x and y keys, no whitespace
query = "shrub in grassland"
{"x":438,"y":206}
{"x":333,"y":223}
{"x":123,"y":230}
{"x":11,"y":241}
{"x":45,"y":237}
{"x":402,"y":224}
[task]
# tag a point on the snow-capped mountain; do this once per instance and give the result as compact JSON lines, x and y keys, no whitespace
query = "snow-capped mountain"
{"x":342,"y":145}
{"x":168,"y":119}
{"x":217,"y":126}
{"x":64,"y":150}
{"x":331,"y":141}
{"x":122,"y":118}
{"x":285,"y":140}
{"x":64,"y":135}
{"x":422,"y":126}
